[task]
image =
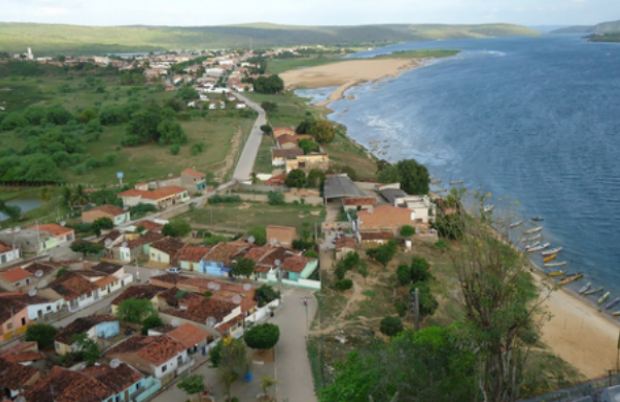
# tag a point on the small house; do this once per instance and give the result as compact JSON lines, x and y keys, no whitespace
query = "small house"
{"x":13,"y":318}
{"x":64,"y":235}
{"x":189,"y":257}
{"x":193,"y":180}
{"x":298,"y":267}
{"x":142,"y":292}
{"x":37,"y":306}
{"x":116,"y":214}
{"x":8,"y":253}
{"x":164,"y":251}
{"x":94,"y":326}
{"x":76,"y":291}
{"x":16,"y":278}
{"x":217,"y":261}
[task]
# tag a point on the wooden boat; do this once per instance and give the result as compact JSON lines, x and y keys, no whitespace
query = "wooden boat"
{"x":452,"y":183}
{"x":550,"y":258}
{"x":585,"y":288}
{"x":593,"y":291}
{"x":556,"y":264}
{"x":538,"y":248}
{"x":616,"y":313}
{"x":532,"y":231}
{"x":573,"y":274}
{"x":552,"y":251}
{"x":516,"y":224}
{"x":436,"y":181}
{"x":612,"y":303}
{"x":532,"y":239}
{"x":570,"y":279}
{"x":537,"y":219}
{"x":556,"y":273}
{"x":532,"y":245}
{"x":603,"y":298}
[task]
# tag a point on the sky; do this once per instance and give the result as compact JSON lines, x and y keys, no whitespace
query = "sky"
{"x":308,"y":12}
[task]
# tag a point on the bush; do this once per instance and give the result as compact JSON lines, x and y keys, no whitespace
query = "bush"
{"x":275,"y":198}
{"x":151,"y":322}
{"x":197,"y":148}
{"x":259,"y":233}
{"x":311,"y":254}
{"x":407,"y":231}
{"x":441,"y":245}
{"x":174,"y":149}
{"x":262,"y":336}
{"x":299,"y":244}
{"x":401,"y":308}
{"x":391,"y":326}
{"x":176,"y":228}
{"x":266,"y":294}
{"x":43,"y":334}
{"x":403,"y":274}
{"x":140,"y":210}
{"x":343,"y":284}
{"x":224,"y":199}
{"x":109,"y":158}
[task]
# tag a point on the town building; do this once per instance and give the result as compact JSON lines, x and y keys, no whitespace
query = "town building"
{"x":95,"y":327}
{"x":116,"y":214}
{"x":164,"y":251}
{"x":8,"y":253}
{"x":162,"y":198}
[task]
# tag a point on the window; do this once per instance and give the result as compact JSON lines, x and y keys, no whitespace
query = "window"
{"x":138,"y":385}
{"x":117,"y":399}
{"x":23,"y":321}
{"x":163,"y":368}
{"x":10,"y":325}
{"x":180,"y":359}
{"x":16,"y":283}
{"x":56,"y":345}
{"x":27,"y":281}
{"x":49,"y":308}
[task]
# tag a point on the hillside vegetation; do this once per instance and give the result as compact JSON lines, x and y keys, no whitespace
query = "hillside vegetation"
{"x":611,"y":27}
{"x":54,"y":39}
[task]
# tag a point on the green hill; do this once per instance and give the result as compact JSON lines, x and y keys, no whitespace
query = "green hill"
{"x":53,"y":39}
{"x":602,"y":28}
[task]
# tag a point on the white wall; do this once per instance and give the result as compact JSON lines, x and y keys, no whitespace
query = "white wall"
{"x":33,"y":309}
{"x":171,"y":365}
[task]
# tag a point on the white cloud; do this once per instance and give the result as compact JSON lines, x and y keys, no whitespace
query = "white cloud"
{"x":51,"y":11}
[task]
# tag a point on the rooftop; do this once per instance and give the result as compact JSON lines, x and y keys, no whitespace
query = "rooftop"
{"x":192,"y":253}
{"x":63,"y":385}
{"x":81,"y":325}
{"x":52,"y":228}
{"x":108,"y":268}
{"x":391,"y":194}
{"x":201,"y":309}
{"x":10,"y":307}
{"x":40,"y":266}
{"x":71,"y":286}
{"x":194,"y":173}
{"x":168,"y":245}
{"x":376,"y":235}
{"x":112,"y":236}
{"x":138,"y":292}
{"x":296,"y":263}
{"x":117,"y":379}
{"x":224,"y":252}
{"x":154,"y":349}
{"x":345,"y":242}
{"x":15,"y":275}
{"x":360,"y":201}
{"x":287,"y":153}
{"x":146,"y":239}
{"x":384,"y":216}
{"x":340,"y":186}
{"x":109,"y":209}
{"x":14,"y":376}
{"x":149,"y":225}
{"x":188,"y":335}
{"x":4,"y":247}
{"x":157,"y":194}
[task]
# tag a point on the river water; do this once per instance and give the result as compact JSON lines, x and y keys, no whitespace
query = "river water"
{"x":537,"y":119}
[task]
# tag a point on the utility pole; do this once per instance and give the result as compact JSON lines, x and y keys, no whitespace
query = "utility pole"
{"x":415,"y":301}
{"x":38,"y":237}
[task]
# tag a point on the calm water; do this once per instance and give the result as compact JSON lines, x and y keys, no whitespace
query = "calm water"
{"x":26,"y":204}
{"x":534,"y":118}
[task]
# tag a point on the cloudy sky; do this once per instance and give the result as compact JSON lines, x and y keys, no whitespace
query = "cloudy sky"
{"x":308,"y":12}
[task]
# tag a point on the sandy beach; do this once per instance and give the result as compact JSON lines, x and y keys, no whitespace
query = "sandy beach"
{"x":346,"y":74}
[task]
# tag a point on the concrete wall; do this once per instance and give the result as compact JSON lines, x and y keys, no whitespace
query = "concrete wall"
{"x":150,"y":385}
{"x":262,"y":188}
{"x":287,"y":198}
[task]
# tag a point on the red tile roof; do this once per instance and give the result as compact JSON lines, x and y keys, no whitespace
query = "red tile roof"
{"x":360,"y":201}
{"x":117,"y":379}
{"x":23,"y":357}
{"x":138,"y":292}
{"x":14,"y":376}
{"x":81,"y":325}
{"x":192,"y":253}
{"x":106,"y":281}
{"x":384,"y":216}
{"x":345,"y":242}
{"x":287,"y":153}
{"x":157,"y":194}
{"x":194,"y":173}
{"x":168,"y":245}
{"x":276,"y":180}
{"x":43,"y":267}
{"x":188,"y":335}
{"x":71,"y":286}
{"x":286,"y":139}
{"x":109,"y":209}
{"x":201,"y":309}
{"x":52,"y":228}
{"x":4,"y":247}
{"x":149,"y":225}
{"x":224,"y":252}
{"x":256,"y":253}
{"x":154,"y":349}
{"x":146,"y":239}
{"x":296,"y":263}
{"x":15,"y":275}
{"x":376,"y":235}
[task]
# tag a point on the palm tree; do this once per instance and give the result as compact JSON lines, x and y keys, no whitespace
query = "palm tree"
{"x":79,"y":198}
{"x":46,"y":194}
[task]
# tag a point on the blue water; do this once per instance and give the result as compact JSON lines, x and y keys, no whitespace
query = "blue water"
{"x":537,"y":119}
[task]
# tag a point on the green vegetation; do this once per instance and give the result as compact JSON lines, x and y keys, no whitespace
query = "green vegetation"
{"x":56,"y":39}
{"x":262,"y":336}
{"x":606,"y":37}
{"x":391,"y":326}
{"x":419,"y":54}
{"x":87,"y":349}
{"x":412,"y":176}
{"x":151,"y":322}
{"x":135,"y":310}
{"x":242,"y":267}
{"x":192,"y":384}
{"x":266,"y":294}
{"x":43,"y":334}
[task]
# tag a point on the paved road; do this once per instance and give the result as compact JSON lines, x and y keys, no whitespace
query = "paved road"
{"x":248,"y":156}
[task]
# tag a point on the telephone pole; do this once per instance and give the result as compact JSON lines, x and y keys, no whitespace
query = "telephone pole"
{"x":415,"y":301}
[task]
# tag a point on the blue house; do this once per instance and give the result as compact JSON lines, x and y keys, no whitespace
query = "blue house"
{"x":94,"y":327}
{"x":218,"y":260}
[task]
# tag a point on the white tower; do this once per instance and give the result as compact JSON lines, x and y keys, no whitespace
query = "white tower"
{"x":30,"y":56}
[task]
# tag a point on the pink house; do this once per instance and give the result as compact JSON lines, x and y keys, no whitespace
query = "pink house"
{"x":13,"y":318}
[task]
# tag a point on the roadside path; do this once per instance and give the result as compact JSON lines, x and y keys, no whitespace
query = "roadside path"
{"x":248,"y":156}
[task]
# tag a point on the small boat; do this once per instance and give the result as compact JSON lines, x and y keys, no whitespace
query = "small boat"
{"x":516,"y":224}
{"x":488,"y":208}
{"x":538,"y":248}
{"x":532,"y":245}
{"x":585,"y":288}
{"x":570,"y":279}
{"x":550,"y":258}
{"x":552,"y":251}
{"x":436,"y":181}
{"x":452,"y":183}
{"x":556,"y":273}
{"x":573,"y":274}
{"x":532,"y":239}
{"x":532,"y":231}
{"x":612,"y":303}
{"x":537,"y":219}
{"x":556,"y":264}
{"x":603,"y":298}
{"x":593,"y":291}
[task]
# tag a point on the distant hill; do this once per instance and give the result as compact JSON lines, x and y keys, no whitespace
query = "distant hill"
{"x":546,"y":28}
{"x":53,"y":39}
{"x":576,"y":29}
{"x":602,"y":28}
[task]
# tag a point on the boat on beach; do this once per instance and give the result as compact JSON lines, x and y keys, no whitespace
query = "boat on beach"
{"x":452,"y":183}
{"x":532,"y":231}
{"x":550,"y":258}
{"x":556,"y":264}
{"x":571,"y":278}
{"x":436,"y":181}
{"x":585,"y":288}
{"x":556,"y":273}
{"x":612,"y":303}
{"x":516,"y":224}
{"x":532,"y":245}
{"x":603,"y":298}
{"x":552,"y":251}
{"x":538,"y":248}
{"x":532,"y":239}
{"x":593,"y":291}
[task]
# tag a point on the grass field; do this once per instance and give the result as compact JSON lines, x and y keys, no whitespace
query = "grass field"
{"x":263,"y":158}
{"x":241,"y":217}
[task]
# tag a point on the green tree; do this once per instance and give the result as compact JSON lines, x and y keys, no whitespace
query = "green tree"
{"x":109,"y":158}
{"x":384,"y":253}
{"x":403,"y":274}
{"x":232,"y":362}
{"x":420,"y":269}
{"x":269,"y":107}
{"x":275,"y":198}
{"x":309,"y":146}
{"x":197,"y":147}
{"x":266,"y":294}
{"x":43,"y":334}
{"x":269,"y":85}
{"x":391,"y":326}
{"x":192,"y":384}
{"x":187,"y":93}
{"x":177,"y":228}
{"x":105,"y":196}
{"x":262,"y":336}
{"x":316,"y":178}
{"x":87,"y":349}
{"x":102,"y":223}
{"x":149,"y":322}
{"x":428,"y":304}
{"x":87,"y":115}
{"x":322,"y":132}
{"x":46,"y":194}
{"x":266,"y":129}
{"x":242,"y":267}
{"x":260,"y":235}
{"x":143,"y":126}
{"x":135,"y":310}
{"x":171,"y":132}
{"x":86,"y":248}
{"x":407,"y":231}
{"x":175,"y":149}
{"x":296,"y":178}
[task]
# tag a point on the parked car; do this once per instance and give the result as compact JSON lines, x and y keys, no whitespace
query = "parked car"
{"x":174,"y":270}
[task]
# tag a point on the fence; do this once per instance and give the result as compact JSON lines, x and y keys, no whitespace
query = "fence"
{"x":287,"y":198}
{"x":262,"y":188}
{"x":593,"y":389}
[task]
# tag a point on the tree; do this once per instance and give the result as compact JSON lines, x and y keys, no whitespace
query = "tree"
{"x":306,"y":231}
{"x":269,"y":85}
{"x":427,"y":304}
{"x":149,"y":322}
{"x":414,"y":178}
{"x":84,"y":247}
{"x":420,"y":269}
{"x":242,"y":267}
{"x":322,"y":132}
{"x":61,"y":272}
{"x":407,"y":231}
{"x":403,"y":274}
{"x":232,"y":362}
{"x":187,"y":93}
{"x":259,"y":233}
{"x":266,"y":129}
{"x":384,"y":253}
{"x":269,"y":107}
{"x":266,"y":294}
{"x":171,"y":132}
{"x":316,"y":178}
{"x":391,"y":326}
{"x":87,"y":349}
{"x":309,"y":146}
{"x":304,"y":126}
{"x":102,"y":223}
{"x":43,"y":334}
{"x":275,"y":198}
{"x":192,"y":384}
{"x":265,"y":385}
{"x":176,"y":228}
{"x":105,"y":196}
{"x":135,"y":310}
{"x":296,"y":178}
{"x":262,"y":336}
{"x":46,"y":194}
{"x":197,"y":148}
{"x":215,"y":354}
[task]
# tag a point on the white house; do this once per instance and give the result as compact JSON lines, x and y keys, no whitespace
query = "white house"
{"x":8,"y":253}
{"x":38,"y":307}
{"x":240,"y":105}
{"x":216,"y":104}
